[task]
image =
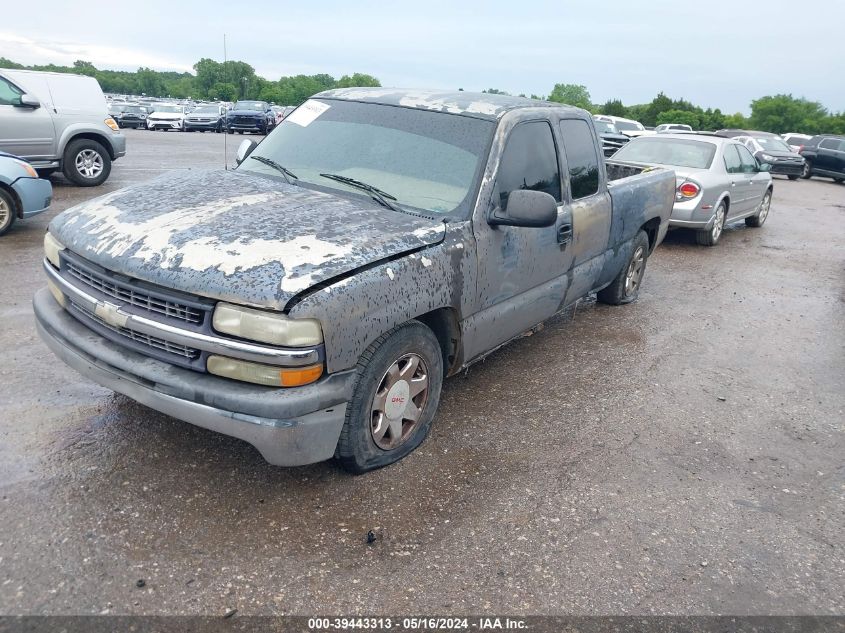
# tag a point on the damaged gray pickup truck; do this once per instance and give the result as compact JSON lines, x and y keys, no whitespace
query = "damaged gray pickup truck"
{"x":312,"y":300}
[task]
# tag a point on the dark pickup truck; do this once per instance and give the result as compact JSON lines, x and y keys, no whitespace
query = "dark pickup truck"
{"x":312,"y":301}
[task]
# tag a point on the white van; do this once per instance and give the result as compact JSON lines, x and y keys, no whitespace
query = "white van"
{"x":628,"y":127}
{"x":59,"y":121}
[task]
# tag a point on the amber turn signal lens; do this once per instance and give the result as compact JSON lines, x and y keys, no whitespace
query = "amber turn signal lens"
{"x":259,"y":374}
{"x":112,"y":124}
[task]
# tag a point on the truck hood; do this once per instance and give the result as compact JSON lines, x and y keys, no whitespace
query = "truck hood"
{"x":237,"y":237}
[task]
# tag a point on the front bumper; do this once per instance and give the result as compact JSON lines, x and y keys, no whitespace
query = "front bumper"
{"x":243,"y":126}
{"x":118,"y":145}
{"x":787,"y":169}
{"x":289,"y":427}
{"x":202,"y":125}
{"x":35,"y":195}
{"x":167,"y":125}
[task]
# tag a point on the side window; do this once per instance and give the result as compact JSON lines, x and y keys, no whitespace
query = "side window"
{"x":749,"y":163}
{"x":581,"y":157}
{"x":732,"y":162}
{"x":9,"y":94}
{"x":829,"y":143}
{"x":529,"y":162}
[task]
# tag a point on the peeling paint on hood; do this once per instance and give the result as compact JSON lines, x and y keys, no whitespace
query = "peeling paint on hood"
{"x":236,"y":237}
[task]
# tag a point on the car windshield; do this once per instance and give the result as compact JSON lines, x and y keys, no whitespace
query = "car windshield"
{"x":773,"y":144}
{"x":250,"y":105}
{"x":668,"y":151}
{"x":428,"y":161}
{"x":631,"y":126}
{"x":603,"y":127}
{"x":168,"y":108}
{"x":133,"y":108}
{"x":206,"y":110}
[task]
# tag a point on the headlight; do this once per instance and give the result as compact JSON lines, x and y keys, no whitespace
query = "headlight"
{"x":112,"y":124}
{"x":263,"y":374}
{"x":266,"y":327}
{"x":29,"y":169}
{"x":768,"y":158}
{"x":52,"y":248}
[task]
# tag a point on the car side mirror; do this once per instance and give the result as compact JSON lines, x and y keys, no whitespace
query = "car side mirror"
{"x":245,"y":149}
{"x":28,"y":101}
{"x":763,"y":166}
{"x":526,"y":207}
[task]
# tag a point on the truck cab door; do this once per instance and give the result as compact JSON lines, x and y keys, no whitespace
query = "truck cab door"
{"x":521,"y":271}
{"x":24,"y":130}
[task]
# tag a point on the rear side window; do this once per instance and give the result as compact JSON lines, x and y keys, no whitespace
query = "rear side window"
{"x":732,"y":163}
{"x":581,"y":157}
{"x":529,"y":162}
{"x":9,"y":94}
{"x":832,"y":143}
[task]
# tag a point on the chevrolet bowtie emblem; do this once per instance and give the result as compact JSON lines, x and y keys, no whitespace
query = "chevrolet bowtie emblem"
{"x":111,"y":314}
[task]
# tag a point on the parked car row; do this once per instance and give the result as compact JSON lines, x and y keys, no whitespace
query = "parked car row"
{"x":242,"y":117}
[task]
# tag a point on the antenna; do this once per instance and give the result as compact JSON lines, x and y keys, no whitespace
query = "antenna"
{"x":225,"y":131}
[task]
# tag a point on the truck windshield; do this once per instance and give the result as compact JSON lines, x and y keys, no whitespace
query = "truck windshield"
{"x":630,"y":126}
{"x":668,"y":151}
{"x":428,"y":161}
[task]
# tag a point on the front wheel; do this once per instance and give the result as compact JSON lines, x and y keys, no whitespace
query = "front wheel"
{"x":8,"y":211}
{"x":395,"y":398}
{"x":86,"y":163}
{"x":626,"y":286}
{"x":711,"y":236}
{"x":762,"y":212}
{"x":792,"y":177}
{"x":808,"y":169}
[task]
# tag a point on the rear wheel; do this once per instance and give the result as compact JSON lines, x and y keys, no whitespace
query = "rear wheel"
{"x":792,"y":177}
{"x":711,"y":236}
{"x":762,"y":211}
{"x":395,"y":398}
{"x":8,"y":211}
{"x":86,"y":163}
{"x":626,"y":286}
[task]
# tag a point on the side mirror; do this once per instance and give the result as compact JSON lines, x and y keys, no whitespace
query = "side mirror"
{"x":763,"y":166}
{"x":527,"y":208}
{"x":28,"y":101}
{"x":245,"y":149}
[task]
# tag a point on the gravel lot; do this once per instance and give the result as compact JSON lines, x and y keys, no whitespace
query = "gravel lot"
{"x":680,"y":455}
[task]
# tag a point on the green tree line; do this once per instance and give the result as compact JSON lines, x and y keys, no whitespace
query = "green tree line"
{"x":227,"y":81}
{"x":234,"y":80}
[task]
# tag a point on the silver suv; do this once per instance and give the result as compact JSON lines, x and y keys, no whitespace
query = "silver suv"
{"x":59,"y":121}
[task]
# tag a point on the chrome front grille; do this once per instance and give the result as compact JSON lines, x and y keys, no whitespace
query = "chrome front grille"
{"x":154,"y":342}
{"x":135,"y":297}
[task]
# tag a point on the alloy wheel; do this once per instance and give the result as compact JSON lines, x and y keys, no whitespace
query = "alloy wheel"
{"x":718,"y":225}
{"x":5,"y":214}
{"x":89,"y":163}
{"x":635,"y":272}
{"x":399,"y":401}
{"x":764,"y":208}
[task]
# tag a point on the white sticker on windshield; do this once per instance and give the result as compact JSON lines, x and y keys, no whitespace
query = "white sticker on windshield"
{"x":305,"y":114}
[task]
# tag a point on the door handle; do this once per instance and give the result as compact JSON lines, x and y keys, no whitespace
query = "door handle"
{"x":564,"y":234}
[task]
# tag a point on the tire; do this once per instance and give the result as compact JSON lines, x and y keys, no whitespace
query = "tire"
{"x":361,"y":447}
{"x":838,"y":181}
{"x":711,"y":236}
{"x":626,"y":286}
{"x":757,"y":220}
{"x":75,"y":163}
{"x":8,"y":211}
{"x":792,"y":177}
{"x":45,"y":173}
{"x":808,"y":169}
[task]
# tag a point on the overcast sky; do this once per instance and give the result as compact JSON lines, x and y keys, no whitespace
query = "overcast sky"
{"x":716,"y":53}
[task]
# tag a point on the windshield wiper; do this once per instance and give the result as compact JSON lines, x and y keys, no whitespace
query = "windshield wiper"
{"x":378,"y":195}
{"x":287,"y":173}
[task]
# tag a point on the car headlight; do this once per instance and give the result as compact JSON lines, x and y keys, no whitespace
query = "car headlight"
{"x":52,"y":248}
{"x":768,"y":158}
{"x":266,"y":327}
{"x":112,"y":124}
{"x":29,"y":169}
